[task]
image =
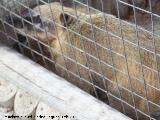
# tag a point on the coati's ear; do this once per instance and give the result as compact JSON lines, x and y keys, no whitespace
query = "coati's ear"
{"x":66,"y":19}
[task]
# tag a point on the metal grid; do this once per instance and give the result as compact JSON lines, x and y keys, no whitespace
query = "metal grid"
{"x":116,"y":59}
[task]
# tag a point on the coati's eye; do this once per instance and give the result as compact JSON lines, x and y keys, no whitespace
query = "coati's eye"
{"x":38,"y":19}
{"x":8,"y":19}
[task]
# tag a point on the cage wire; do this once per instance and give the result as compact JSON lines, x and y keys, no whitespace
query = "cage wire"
{"x":113,"y":57}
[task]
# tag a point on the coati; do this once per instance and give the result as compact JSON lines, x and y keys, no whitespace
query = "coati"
{"x":95,"y":54}
{"x":50,"y":11}
{"x":94,"y":62}
{"x":98,"y":56}
{"x":45,"y":16}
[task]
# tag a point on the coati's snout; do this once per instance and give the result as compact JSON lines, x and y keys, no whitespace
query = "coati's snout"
{"x":25,"y":20}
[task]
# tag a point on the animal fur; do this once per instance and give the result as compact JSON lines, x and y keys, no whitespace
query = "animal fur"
{"x":95,"y":60}
{"x":129,"y":71}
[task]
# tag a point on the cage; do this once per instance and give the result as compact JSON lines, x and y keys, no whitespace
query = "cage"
{"x":108,"y":48}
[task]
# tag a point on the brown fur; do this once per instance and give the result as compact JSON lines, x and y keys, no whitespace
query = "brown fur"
{"x":138,"y":77}
{"x":95,"y":61}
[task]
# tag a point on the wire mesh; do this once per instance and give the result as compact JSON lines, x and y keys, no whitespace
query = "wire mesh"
{"x":108,"y":48}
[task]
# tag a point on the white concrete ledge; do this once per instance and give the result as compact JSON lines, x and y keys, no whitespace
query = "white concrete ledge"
{"x":52,"y":89}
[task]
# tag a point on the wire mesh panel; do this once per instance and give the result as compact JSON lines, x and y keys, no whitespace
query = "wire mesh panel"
{"x":108,"y":48}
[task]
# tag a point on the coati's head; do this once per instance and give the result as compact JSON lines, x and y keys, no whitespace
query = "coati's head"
{"x":41,"y":19}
